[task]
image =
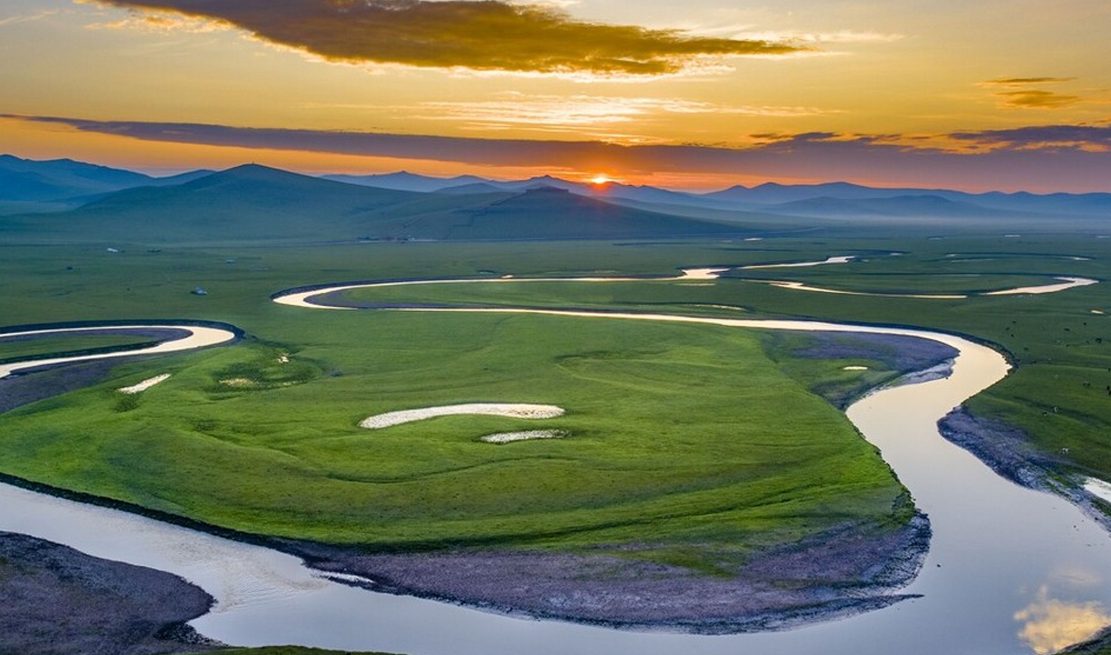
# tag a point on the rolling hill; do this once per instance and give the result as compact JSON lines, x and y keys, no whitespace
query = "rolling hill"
{"x":246,"y":203}
{"x":552,"y":213}
{"x":67,"y":201}
{"x":254,"y":203}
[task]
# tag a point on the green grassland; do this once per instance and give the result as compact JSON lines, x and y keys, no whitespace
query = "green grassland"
{"x":677,"y":434}
{"x":1060,"y":343}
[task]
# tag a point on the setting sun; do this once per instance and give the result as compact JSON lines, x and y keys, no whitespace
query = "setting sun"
{"x":600,"y":179}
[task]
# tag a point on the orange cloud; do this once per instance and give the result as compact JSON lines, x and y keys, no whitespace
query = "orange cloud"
{"x":1037,"y":99}
{"x":490,"y":35}
{"x":1021,"y":81}
{"x":1018,"y":94}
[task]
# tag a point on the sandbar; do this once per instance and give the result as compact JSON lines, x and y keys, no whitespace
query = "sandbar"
{"x":145,"y":384}
{"x":199,"y":337}
{"x":1066,"y":283}
{"x":836,"y":259}
{"x":527,"y":435}
{"x":1098,"y":488}
{"x":510,"y":410}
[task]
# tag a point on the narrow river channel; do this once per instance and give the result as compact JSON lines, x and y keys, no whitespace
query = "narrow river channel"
{"x":1010,"y":571}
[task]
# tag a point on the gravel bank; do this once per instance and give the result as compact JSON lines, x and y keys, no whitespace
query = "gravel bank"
{"x":911,"y":359}
{"x":846,"y":571}
{"x":58,"y":600}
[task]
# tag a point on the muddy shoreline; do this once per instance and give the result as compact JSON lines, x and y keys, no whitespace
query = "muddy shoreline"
{"x":58,"y":600}
{"x":1007,"y":450}
{"x":846,"y":571}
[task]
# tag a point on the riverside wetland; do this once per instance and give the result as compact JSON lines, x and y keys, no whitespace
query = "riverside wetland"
{"x":741,"y":483}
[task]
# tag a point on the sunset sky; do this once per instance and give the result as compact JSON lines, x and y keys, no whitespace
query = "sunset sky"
{"x":699,"y":94}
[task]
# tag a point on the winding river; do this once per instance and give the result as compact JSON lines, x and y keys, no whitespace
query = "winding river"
{"x":1010,"y":571}
{"x":197,"y":336}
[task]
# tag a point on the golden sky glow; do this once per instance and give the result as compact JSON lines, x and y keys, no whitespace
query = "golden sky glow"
{"x":701,"y":94}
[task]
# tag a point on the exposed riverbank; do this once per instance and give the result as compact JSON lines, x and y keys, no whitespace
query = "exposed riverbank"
{"x":1008,"y":451}
{"x":58,"y":600}
{"x":846,"y":571}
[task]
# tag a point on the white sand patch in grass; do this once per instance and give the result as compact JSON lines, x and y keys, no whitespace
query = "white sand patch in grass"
{"x":527,"y":435}
{"x":702,"y":273}
{"x":509,"y":410}
{"x":1099,"y":488}
{"x":855,"y":368}
{"x":1066,"y":283}
{"x":238,"y":383}
{"x":837,"y":259}
{"x":245,"y":383}
{"x":784,"y":284}
{"x":145,"y":384}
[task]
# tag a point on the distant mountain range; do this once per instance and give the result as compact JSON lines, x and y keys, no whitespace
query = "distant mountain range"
{"x":831,"y":199}
{"x":68,"y":200}
{"x":254,"y":203}
{"x":24,"y":180}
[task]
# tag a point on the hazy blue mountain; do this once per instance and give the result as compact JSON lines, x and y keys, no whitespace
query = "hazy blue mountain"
{"x":1088,"y":204}
{"x":60,"y":179}
{"x":913,"y":206}
{"x":546,"y":212}
{"x":767,"y":196}
{"x":254,"y":203}
{"x":72,"y":182}
{"x":838,"y":198}
{"x":246,"y":203}
{"x":180,"y":178}
{"x":609,"y":191}
{"x":406,"y":181}
{"x":471,"y":189}
{"x":772,"y":193}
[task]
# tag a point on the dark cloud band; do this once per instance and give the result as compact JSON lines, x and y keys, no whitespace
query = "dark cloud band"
{"x":1045,"y":137}
{"x":475,"y":34}
{"x":1057,"y":157}
{"x":1026,"y":81}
